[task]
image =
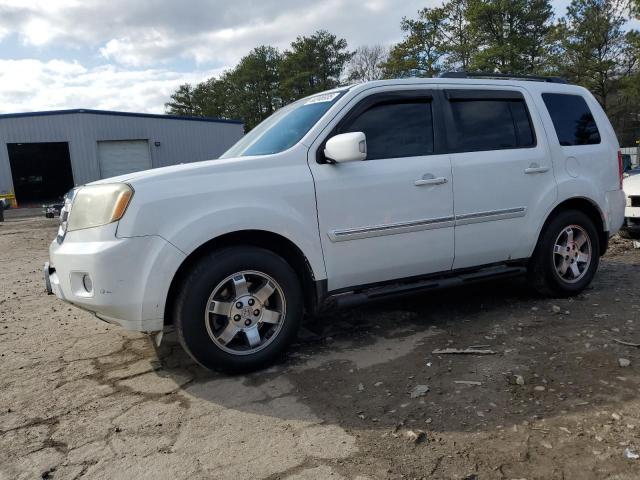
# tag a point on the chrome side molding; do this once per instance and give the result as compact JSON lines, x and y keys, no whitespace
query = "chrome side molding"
{"x":390,"y":229}
{"x":426,"y":224}
{"x":491,"y":215}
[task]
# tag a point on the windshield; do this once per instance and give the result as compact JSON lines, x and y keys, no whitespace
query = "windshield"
{"x":284,"y":128}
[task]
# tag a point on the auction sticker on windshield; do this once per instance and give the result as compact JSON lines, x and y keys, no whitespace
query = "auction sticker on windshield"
{"x":326,"y":97}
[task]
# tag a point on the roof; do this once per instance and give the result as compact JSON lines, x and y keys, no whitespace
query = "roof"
{"x":531,"y":86}
{"x":122,"y":114}
{"x":529,"y":77}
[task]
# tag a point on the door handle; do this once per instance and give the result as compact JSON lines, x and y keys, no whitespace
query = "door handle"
{"x":535,"y":168}
{"x":429,"y":179}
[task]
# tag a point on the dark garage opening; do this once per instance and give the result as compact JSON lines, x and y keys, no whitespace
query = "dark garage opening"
{"x":41,"y":171}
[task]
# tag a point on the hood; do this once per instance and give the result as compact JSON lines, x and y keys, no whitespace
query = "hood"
{"x":184,"y":170}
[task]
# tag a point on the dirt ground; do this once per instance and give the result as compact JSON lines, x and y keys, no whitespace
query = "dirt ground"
{"x":82,"y":399}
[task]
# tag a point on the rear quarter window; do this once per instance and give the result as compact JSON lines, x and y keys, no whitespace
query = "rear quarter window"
{"x":572,"y":119}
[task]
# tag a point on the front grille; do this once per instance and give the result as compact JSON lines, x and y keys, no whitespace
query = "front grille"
{"x":635,"y":200}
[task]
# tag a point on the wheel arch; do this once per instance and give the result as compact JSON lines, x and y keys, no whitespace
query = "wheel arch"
{"x":586,"y":206}
{"x":274,"y":242}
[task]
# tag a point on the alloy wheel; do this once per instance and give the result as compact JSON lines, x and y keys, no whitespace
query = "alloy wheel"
{"x":245,"y":312}
{"x":572,"y":253}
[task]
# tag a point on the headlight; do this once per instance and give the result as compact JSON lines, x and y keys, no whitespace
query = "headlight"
{"x":96,"y":205}
{"x":64,"y":214}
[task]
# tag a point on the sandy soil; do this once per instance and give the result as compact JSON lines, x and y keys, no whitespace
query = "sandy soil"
{"x":81,"y":399}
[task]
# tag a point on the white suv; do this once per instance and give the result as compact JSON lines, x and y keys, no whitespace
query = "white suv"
{"x":374,"y":190}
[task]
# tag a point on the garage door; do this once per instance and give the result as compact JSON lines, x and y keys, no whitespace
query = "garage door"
{"x":122,"y":157}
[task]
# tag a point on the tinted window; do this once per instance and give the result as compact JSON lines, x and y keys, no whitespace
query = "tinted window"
{"x":572,"y":119}
{"x":490,"y":125}
{"x":396,"y":129}
{"x":524,"y":130}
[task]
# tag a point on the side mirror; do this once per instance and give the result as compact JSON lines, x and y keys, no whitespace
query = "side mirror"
{"x":346,"y":147}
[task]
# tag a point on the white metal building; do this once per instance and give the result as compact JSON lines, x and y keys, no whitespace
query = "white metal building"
{"x":44,"y":154}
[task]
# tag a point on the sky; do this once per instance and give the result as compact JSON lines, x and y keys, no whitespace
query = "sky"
{"x":130,"y":55}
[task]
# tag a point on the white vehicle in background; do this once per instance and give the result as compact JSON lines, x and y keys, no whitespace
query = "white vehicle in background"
{"x":369,"y":191}
{"x":631,"y":226}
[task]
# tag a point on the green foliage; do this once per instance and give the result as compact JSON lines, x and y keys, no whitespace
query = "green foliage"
{"x":182,"y":102}
{"x":512,"y":34}
{"x":313,"y":64}
{"x":589,"y":45}
{"x":252,"y":88}
{"x":502,"y":36}
{"x":624,"y":103}
{"x":458,"y":36}
{"x":593,"y":45}
{"x":420,"y":53}
{"x":265,"y":79}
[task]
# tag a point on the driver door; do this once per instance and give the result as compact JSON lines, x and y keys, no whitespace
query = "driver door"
{"x":391,"y":215}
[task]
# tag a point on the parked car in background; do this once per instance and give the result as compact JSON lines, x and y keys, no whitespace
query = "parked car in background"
{"x":633,"y":171}
{"x":363,"y":192}
{"x":52,"y":210}
{"x":631,"y":226}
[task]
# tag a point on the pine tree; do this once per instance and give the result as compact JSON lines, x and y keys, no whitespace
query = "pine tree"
{"x":512,"y":34}
{"x":593,"y":45}
{"x":313,"y":64}
{"x":421,"y":52}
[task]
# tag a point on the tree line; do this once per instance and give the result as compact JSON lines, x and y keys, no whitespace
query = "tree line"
{"x":589,"y":45}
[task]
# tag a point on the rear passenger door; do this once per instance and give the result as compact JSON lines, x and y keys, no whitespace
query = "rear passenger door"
{"x":502,"y":171}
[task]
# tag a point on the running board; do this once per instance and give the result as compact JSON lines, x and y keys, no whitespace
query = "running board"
{"x":350,"y":299}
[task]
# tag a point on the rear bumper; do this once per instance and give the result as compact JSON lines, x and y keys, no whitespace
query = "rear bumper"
{"x":615,"y":204}
{"x":124,"y":281}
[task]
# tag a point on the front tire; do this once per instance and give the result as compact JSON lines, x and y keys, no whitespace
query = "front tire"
{"x":238,"y":309}
{"x":567,"y":255}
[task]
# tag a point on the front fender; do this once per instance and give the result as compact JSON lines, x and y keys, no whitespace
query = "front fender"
{"x":284,"y":222}
{"x":191,"y":208}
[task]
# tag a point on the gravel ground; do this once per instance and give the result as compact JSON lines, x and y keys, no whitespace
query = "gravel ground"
{"x":361,"y":395}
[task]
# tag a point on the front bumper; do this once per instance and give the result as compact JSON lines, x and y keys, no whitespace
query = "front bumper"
{"x":124,"y":281}
{"x":631,"y":219}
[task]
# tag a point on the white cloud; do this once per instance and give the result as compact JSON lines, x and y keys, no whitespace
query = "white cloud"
{"x":30,"y":84}
{"x":142,"y":42}
{"x":207,"y":31}
{"x":143,"y":50}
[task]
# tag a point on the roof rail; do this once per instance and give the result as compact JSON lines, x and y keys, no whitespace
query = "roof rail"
{"x":534,"y":78}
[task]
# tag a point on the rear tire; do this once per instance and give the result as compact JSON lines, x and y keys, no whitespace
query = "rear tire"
{"x":567,"y":255}
{"x":238,"y":309}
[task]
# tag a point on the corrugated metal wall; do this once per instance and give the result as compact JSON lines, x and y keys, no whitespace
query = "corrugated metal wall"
{"x":181,"y":141}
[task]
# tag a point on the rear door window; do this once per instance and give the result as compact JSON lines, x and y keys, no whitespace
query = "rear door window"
{"x":488,"y":120}
{"x":572,"y":119}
